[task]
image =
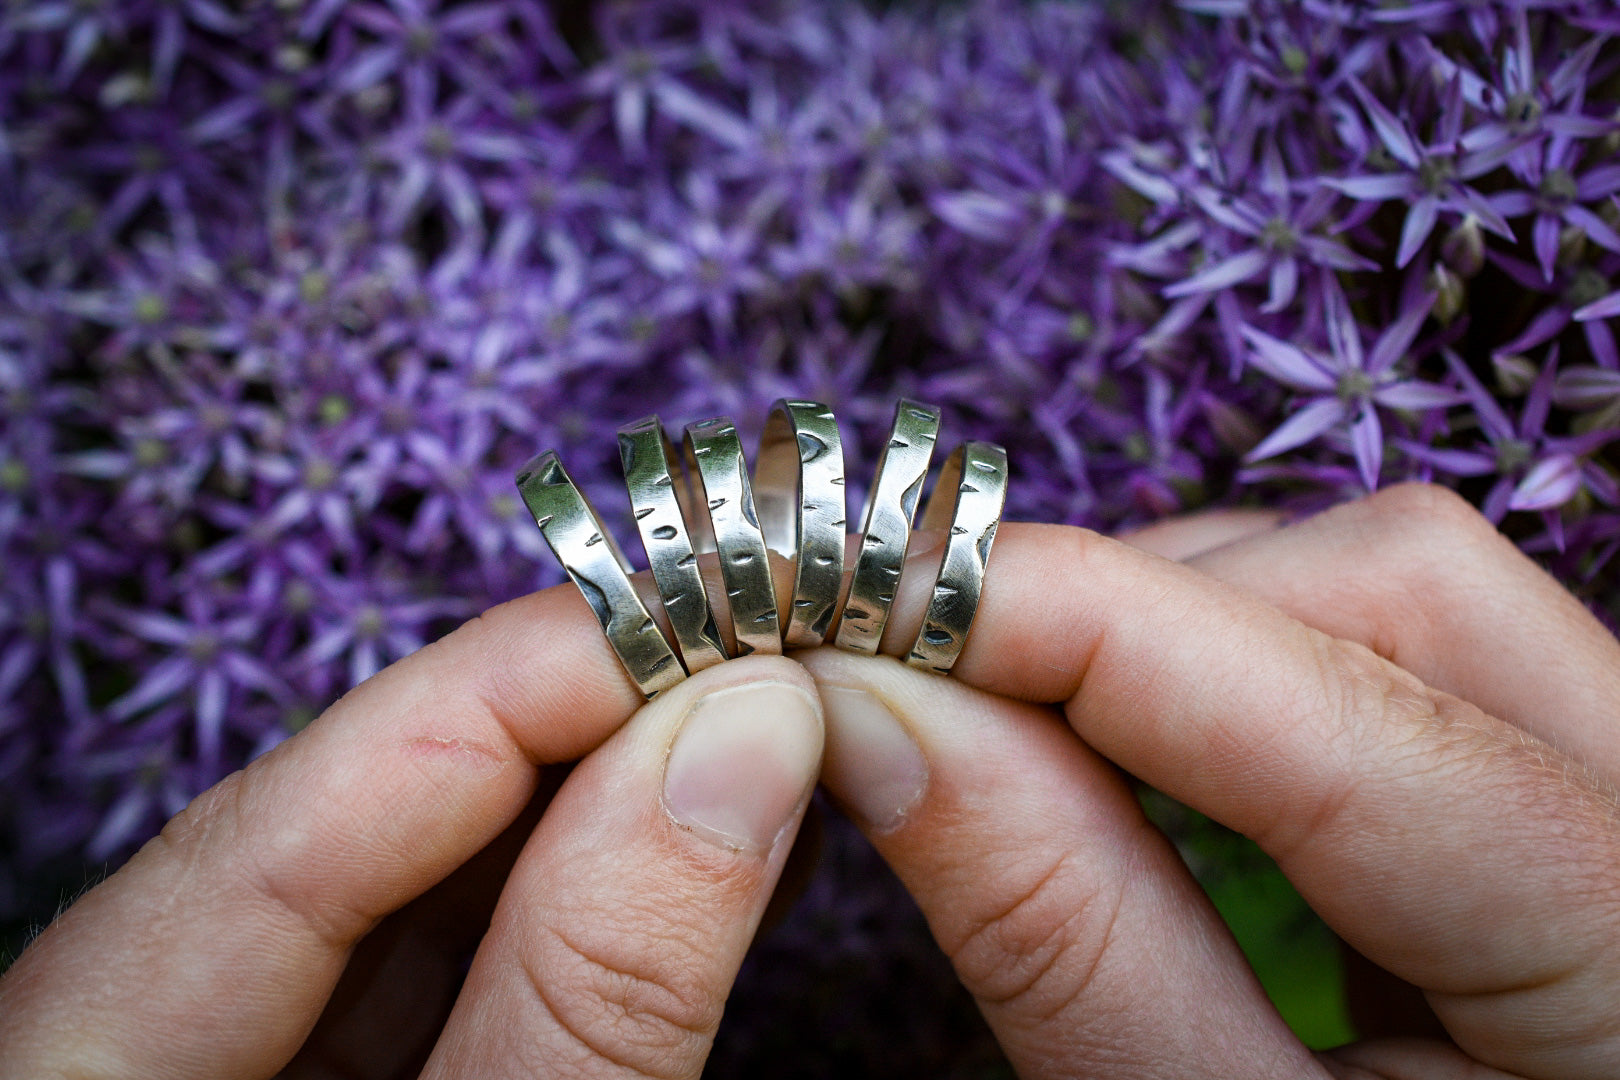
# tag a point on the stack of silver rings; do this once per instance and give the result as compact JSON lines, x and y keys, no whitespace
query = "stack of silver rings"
{"x":699,"y":499}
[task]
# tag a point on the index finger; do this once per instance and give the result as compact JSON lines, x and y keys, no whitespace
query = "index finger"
{"x":252,"y":897}
{"x":1452,"y":848}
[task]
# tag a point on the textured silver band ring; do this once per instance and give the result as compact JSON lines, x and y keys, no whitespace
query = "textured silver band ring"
{"x":799,"y":492}
{"x":886,"y":525}
{"x":657,"y":499}
{"x":719,"y":475}
{"x":593,"y":559}
{"x":969,"y":497}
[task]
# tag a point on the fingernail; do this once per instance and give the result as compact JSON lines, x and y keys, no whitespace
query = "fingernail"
{"x":873,"y":765}
{"x":742,"y":763}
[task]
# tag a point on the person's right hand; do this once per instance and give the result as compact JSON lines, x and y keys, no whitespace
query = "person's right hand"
{"x":1421,"y":727}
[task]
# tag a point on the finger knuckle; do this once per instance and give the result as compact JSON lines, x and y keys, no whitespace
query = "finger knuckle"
{"x":1422,"y":508}
{"x":206,"y":842}
{"x":198,"y":825}
{"x":1549,"y":806}
{"x":1362,"y":710}
{"x":1084,"y":557}
{"x":1087,"y":551}
{"x":639,"y":1001}
{"x":1413,"y":534}
{"x":1408,"y":539}
{"x":1558,"y":819}
{"x":1035,"y":948}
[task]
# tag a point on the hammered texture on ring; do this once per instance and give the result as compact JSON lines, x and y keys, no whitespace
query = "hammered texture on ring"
{"x":719,"y":475}
{"x":657,"y":491}
{"x":886,"y":525}
{"x":592,"y":558}
{"x":799,"y":493}
{"x":968,"y":497}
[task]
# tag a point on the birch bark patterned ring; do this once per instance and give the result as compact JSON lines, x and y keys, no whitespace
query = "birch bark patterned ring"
{"x":659,"y":502}
{"x":886,"y":525}
{"x":968,"y":498}
{"x":594,"y":560}
{"x":719,"y":473}
{"x":799,"y":488}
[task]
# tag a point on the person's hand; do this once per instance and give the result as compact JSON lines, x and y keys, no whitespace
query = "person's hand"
{"x":1421,"y":727}
{"x":619,"y":929}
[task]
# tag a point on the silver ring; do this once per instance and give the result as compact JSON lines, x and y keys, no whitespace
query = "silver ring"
{"x":969,"y":496}
{"x":657,"y":499}
{"x":719,"y":475}
{"x":799,"y":492}
{"x":886,"y":525}
{"x":593,"y":559}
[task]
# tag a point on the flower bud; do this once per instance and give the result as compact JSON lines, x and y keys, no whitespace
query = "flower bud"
{"x":150,"y":308}
{"x":1135,"y":303}
{"x":293,"y":59}
{"x":1610,"y":143}
{"x":1515,"y":374}
{"x":1463,"y":249}
{"x":1572,"y":246}
{"x":129,"y":88}
{"x":1604,"y":419}
{"x":1234,"y":427}
{"x":14,"y":476}
{"x":1451,"y":293}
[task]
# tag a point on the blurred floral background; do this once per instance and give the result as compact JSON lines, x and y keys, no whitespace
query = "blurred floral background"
{"x":289,"y":287}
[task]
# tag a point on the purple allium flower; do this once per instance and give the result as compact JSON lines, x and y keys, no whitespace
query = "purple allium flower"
{"x":1533,"y":470}
{"x":204,"y":653}
{"x":1560,"y":200}
{"x":288,"y":291}
{"x":360,"y":625}
{"x":1431,"y":177}
{"x":1522,"y":103}
{"x":1280,"y":235}
{"x":1346,"y":385}
{"x":1578,"y":289}
{"x":1604,"y":307}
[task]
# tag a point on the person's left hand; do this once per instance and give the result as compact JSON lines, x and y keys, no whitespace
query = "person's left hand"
{"x":215,"y":951}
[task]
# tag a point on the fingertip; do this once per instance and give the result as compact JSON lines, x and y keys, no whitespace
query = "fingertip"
{"x":873,"y":764}
{"x":743,"y":760}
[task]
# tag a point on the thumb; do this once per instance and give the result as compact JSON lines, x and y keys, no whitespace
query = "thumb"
{"x":621,"y":929}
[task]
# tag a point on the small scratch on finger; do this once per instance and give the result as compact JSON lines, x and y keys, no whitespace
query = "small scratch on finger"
{"x":435,"y":746}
